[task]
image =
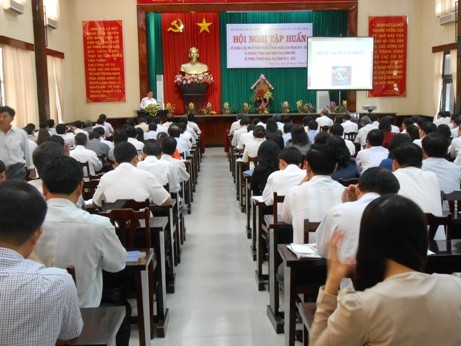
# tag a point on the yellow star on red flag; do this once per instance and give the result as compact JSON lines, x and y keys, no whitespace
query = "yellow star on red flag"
{"x":204,"y":26}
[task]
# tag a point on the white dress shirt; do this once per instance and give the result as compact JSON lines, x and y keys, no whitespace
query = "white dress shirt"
{"x":194,"y":126}
{"x":147,"y":101}
{"x":281,"y":181}
{"x":448,"y":174}
{"x":181,"y":170}
{"x":251,"y":148}
{"x":351,"y":146}
{"x":371,"y":157}
{"x":350,"y":126}
{"x":244,"y":139}
{"x":455,"y":151}
{"x":137,"y":144}
{"x":82,"y":154}
{"x":346,"y":217}
{"x":158,"y":168}
{"x":324,"y":120}
{"x":421,"y":187}
{"x":235,"y":126}
{"x":128,"y":182}
{"x":237,"y":133}
{"x":14,"y":148}
{"x":311,"y":200}
{"x":72,"y":236}
{"x":362,"y":134}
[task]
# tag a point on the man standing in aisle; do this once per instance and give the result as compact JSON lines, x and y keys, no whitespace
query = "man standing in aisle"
{"x":14,"y":148}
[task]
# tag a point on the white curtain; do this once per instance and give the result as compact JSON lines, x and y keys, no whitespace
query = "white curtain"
{"x":454,"y":63}
{"x":444,"y":6}
{"x":55,"y":88}
{"x":438,"y":65}
{"x":19,"y":84}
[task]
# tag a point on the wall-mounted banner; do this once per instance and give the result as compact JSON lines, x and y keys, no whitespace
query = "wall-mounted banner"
{"x":104,"y":61}
{"x":390,"y":56}
{"x":267,"y":45}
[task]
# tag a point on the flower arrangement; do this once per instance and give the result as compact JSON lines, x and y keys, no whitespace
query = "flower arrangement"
{"x":305,"y":107}
{"x":201,"y":78}
{"x":208,"y":110}
{"x":285,"y":107}
{"x":170,"y":107}
{"x":246,"y":108}
{"x":342,"y":108}
{"x":152,"y":109}
{"x":226,"y":108}
{"x":262,"y":94}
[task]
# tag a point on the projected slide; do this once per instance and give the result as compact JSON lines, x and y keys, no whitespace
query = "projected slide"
{"x":340,"y":63}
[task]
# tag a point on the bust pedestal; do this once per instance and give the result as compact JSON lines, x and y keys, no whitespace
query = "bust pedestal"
{"x":194,"y":93}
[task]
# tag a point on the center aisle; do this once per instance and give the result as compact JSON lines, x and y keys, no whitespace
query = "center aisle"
{"x":216,"y":300}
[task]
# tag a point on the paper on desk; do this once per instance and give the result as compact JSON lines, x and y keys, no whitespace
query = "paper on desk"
{"x":429,"y":252}
{"x":132,"y":256}
{"x":88,"y":202}
{"x":304,"y":250}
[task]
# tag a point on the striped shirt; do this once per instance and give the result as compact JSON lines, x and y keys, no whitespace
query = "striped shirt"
{"x":38,"y":305}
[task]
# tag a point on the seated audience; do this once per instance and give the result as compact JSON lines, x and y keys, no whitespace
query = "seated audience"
{"x":82,"y":154}
{"x":405,"y":123}
{"x":395,"y":303}
{"x":96,"y":145}
{"x":182,"y":145}
{"x":128,"y":182}
{"x":106,"y":124}
{"x":287,"y":132}
{"x":39,"y":305}
{"x":236,"y":124}
{"x":346,"y":216}
{"x":267,"y":163}
{"x":363,"y":131}
{"x":314,"y":197}
{"x":442,"y":117}
{"x":290,"y":174}
{"x":425,"y":128}
{"x":177,"y":167}
{"x":133,"y":138}
{"x":312,"y":130}
{"x":192,"y":124}
{"x":44,"y":153}
{"x":323,"y":119}
{"x":346,"y":167}
{"x":273,"y":133}
{"x":420,"y":186}
{"x":243,"y":128}
{"x":100,"y":124}
{"x":385,"y":126}
{"x":246,"y":137}
{"x":69,"y":137}
{"x":373,"y":153}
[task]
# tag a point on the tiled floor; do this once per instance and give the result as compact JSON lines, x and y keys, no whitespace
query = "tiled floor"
{"x":216,"y":302}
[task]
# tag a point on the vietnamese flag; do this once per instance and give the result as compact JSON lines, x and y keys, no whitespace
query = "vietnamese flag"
{"x":180,"y":32}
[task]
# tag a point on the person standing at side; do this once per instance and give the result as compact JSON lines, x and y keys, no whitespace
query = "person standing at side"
{"x":14,"y":148}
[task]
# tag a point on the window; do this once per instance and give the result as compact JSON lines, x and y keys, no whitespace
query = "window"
{"x":447,"y":97}
{"x":52,"y":9}
{"x":444,"y":6}
{"x":2,"y":85}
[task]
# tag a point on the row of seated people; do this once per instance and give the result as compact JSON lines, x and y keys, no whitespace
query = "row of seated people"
{"x":310,"y":193}
{"x":89,"y":242}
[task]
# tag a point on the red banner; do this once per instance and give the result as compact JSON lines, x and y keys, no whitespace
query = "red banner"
{"x":390,"y":55}
{"x":151,"y":2}
{"x":104,"y":61}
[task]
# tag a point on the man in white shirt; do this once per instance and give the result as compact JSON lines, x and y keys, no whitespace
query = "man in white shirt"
{"x":442,"y":117}
{"x":347,"y":216}
{"x":61,"y":131}
{"x":152,"y":152}
{"x":251,"y":148}
{"x":323,"y":119}
{"x":236,"y":124}
{"x":420,"y":186}
{"x":313,"y":198}
{"x":128,"y":182}
{"x":133,"y":139}
{"x":14,"y":148}
{"x":243,"y":128}
{"x":348,"y":125}
{"x":82,"y":154}
{"x":192,"y":124}
{"x":148,"y":100}
{"x":435,"y":147}
{"x":100,"y":124}
{"x":178,"y":168}
{"x":182,"y":144}
{"x":289,"y":175}
{"x":142,"y":124}
{"x":39,"y":305}
{"x":74,"y":236}
{"x":100,"y":131}
{"x":425,"y":128}
{"x":374,"y":152}
{"x":363,"y":131}
{"x":152,"y":132}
